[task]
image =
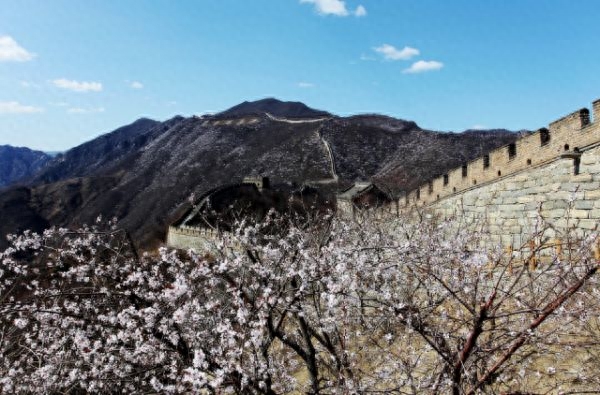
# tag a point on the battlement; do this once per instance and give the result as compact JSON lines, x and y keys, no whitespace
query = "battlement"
{"x":574,"y":121}
{"x":596,"y":110}
{"x":564,"y":138}
{"x":260,"y":182}
{"x":230,"y":121}
{"x":193,"y":231}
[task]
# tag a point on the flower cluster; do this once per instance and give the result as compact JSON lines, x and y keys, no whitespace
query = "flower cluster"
{"x":326,"y":306}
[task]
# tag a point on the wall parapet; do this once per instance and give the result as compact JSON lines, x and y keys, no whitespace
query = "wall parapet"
{"x":193,"y":231}
{"x":570,"y":133}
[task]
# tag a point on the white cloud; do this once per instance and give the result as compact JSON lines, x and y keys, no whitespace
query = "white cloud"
{"x":335,"y":7}
{"x":360,"y":11}
{"x":77,"y":86}
{"x":306,"y":85}
{"x":423,"y":66}
{"x":10,"y":51}
{"x":366,"y":58}
{"x":59,"y":103}
{"x":29,"y":85}
{"x":13,"y":107}
{"x":390,"y":52}
{"x":79,"y":110}
{"x":479,"y":127}
{"x":136,"y":85}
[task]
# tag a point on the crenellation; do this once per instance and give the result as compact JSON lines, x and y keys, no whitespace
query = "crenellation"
{"x":572,"y":122}
{"x":565,"y":135}
{"x":596,"y":110}
{"x":512,"y":208}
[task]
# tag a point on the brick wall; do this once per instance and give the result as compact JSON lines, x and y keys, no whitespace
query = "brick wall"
{"x":510,"y":209}
{"x":574,"y":131}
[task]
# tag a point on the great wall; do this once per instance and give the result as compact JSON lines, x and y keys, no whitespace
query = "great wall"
{"x":551,"y":175}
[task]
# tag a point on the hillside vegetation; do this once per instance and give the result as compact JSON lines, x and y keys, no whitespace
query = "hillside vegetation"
{"x":143,"y":173}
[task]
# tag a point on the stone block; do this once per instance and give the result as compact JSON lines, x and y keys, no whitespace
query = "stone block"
{"x":533,"y":206}
{"x":583,"y":177}
{"x":526,"y":199}
{"x":583,"y":204}
{"x":592,"y":194}
{"x":554,"y":204}
{"x":562,"y":195}
{"x":515,"y":230}
{"x":555,"y":213}
{"x":591,"y":169}
{"x":579,"y":214}
{"x":589,"y":186}
{"x":554,"y":187}
{"x":589,"y":224}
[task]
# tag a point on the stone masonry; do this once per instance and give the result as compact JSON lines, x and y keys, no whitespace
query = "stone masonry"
{"x":553,"y":174}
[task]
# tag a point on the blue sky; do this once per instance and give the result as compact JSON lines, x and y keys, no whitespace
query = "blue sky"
{"x":71,"y":70}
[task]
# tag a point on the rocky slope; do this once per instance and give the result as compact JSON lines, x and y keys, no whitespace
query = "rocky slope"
{"x":144,"y":173}
{"x":97,"y":154}
{"x":19,"y":163}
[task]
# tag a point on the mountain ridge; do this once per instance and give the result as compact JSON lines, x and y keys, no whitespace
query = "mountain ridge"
{"x":19,"y":163}
{"x":275,"y":107}
{"x":144,"y":173}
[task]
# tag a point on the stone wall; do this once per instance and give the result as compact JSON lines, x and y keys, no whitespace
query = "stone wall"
{"x":548,"y":179}
{"x":570,"y":133}
{"x":510,"y":209}
{"x":188,"y":237}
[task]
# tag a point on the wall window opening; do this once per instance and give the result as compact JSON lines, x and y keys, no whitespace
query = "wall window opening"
{"x":512,"y":150}
{"x":465,"y":170}
{"x":544,"y":136}
{"x":486,"y":161}
{"x":446,"y":179}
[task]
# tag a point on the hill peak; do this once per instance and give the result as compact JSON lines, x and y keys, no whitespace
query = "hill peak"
{"x":276,"y":107}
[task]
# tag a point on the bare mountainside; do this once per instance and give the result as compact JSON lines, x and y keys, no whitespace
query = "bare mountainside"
{"x":19,"y":163}
{"x":144,"y":173}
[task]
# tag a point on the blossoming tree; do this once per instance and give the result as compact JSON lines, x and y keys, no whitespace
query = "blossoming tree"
{"x":328,"y":306}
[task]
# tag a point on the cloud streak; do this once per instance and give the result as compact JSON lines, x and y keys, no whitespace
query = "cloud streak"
{"x":77,"y":86}
{"x":423,"y":66}
{"x":136,"y":85}
{"x":335,"y":7}
{"x":11,"y":51}
{"x":360,"y":11}
{"x":13,"y":107}
{"x":389,"y":52}
{"x":306,"y":85}
{"x":79,"y":110}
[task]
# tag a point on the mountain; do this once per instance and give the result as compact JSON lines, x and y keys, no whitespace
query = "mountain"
{"x":98,"y":153}
{"x":144,"y":173}
{"x":277,"y":108}
{"x":19,"y":163}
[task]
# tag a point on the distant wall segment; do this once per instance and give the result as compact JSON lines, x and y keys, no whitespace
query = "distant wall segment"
{"x":186,"y":237}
